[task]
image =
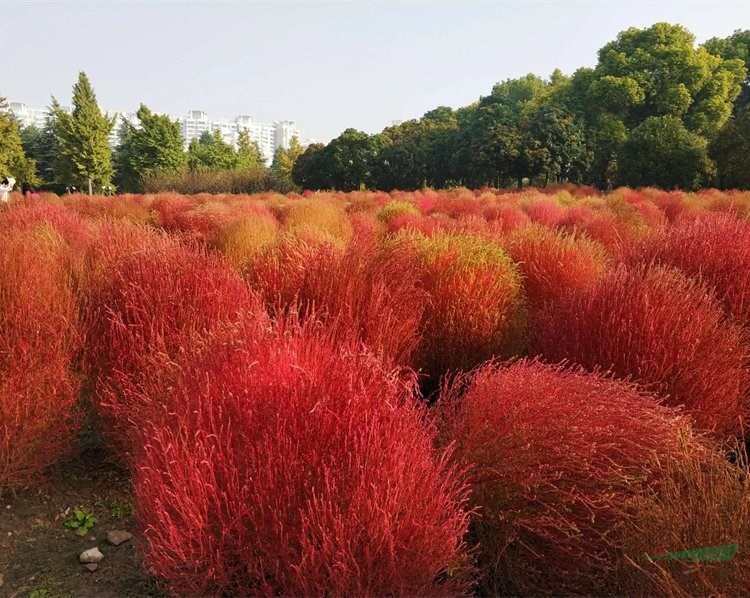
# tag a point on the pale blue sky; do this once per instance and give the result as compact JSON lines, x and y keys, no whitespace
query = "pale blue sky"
{"x":326,"y":65}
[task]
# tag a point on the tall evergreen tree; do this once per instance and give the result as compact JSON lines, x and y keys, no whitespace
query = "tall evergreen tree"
{"x":83,"y":136}
{"x":13,"y":160}
{"x":284,"y":159}
{"x":248,"y":152}
{"x":41,"y":146}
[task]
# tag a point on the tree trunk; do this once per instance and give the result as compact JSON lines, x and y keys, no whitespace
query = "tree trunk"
{"x":90,"y":187}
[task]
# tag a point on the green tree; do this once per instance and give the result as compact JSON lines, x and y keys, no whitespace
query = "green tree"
{"x":441,"y":137}
{"x":731,"y":151}
{"x":83,"y":138}
{"x":248,"y":152}
{"x":211,"y":152}
{"x":312,"y":169}
{"x":659,"y":72}
{"x":662,"y":151}
{"x":352,"y":159}
{"x":653,"y":72}
{"x":495,"y":142}
{"x":155,"y":146}
{"x":737,"y":47}
{"x":13,"y":160}
{"x":402,"y":163}
{"x":41,"y":146}
{"x":284,"y":159}
{"x":560,"y":142}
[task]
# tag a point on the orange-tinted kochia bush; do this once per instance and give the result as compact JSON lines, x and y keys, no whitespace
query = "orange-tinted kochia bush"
{"x":476,"y":306}
{"x":663,"y":330}
{"x":38,"y":341}
{"x":553,"y":263}
{"x":299,"y":467}
{"x":554,"y":454}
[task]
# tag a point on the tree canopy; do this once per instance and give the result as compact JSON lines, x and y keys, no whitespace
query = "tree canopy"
{"x":655,"y":109}
{"x":155,"y":146}
{"x":83,"y":139}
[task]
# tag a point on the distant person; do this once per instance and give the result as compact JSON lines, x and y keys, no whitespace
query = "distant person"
{"x":5,"y":188}
{"x":26,"y":190}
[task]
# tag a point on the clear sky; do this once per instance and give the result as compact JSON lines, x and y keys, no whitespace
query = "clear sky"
{"x":326,"y":65}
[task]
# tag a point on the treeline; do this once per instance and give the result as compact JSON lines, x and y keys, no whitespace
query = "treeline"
{"x":72,"y":152}
{"x":655,"y":111}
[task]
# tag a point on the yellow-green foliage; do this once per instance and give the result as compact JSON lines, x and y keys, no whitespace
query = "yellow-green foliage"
{"x":397,"y":208}
{"x":327,"y":217}
{"x":246,"y":237}
{"x":476,"y":306}
{"x":564,"y":198}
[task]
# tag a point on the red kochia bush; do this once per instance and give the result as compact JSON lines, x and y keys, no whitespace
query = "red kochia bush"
{"x":662,"y":329}
{"x":38,"y":340}
{"x":553,"y":263}
{"x":555,"y":452}
{"x":155,"y":300}
{"x":71,"y":228}
{"x":372,"y":294}
{"x":297,"y":467}
{"x":715,"y":247}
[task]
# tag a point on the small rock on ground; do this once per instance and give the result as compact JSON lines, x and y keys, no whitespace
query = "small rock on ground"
{"x":117,"y":536}
{"x":2,"y":581}
{"x":91,"y":566}
{"x":92,"y":555}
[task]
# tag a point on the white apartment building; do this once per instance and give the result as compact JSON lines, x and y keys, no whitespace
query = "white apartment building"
{"x":28,"y":116}
{"x":38,"y":117}
{"x":269,"y":136}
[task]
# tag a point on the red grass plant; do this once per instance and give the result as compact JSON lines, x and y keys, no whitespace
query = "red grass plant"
{"x":153,"y":302}
{"x":714,"y":247}
{"x":246,"y":237}
{"x":395,"y":209}
{"x":698,"y":503}
{"x":363,"y":291}
{"x":38,"y":341}
{"x":554,"y":453}
{"x":30,"y":214}
{"x":72,"y":229}
{"x":280,"y":274}
{"x":371,"y":293}
{"x":507,"y":216}
{"x":663,"y":330}
{"x":476,"y":307}
{"x":553,"y":263}
{"x":300,"y":468}
{"x":544,"y":211}
{"x":135,"y":209}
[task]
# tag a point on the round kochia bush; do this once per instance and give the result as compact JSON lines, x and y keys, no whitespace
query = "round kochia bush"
{"x":663,"y":330}
{"x":148,"y":305}
{"x":38,"y":340}
{"x":476,"y":309}
{"x":553,"y":452}
{"x":715,"y":247}
{"x":553,"y":263}
{"x":297,"y":466}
